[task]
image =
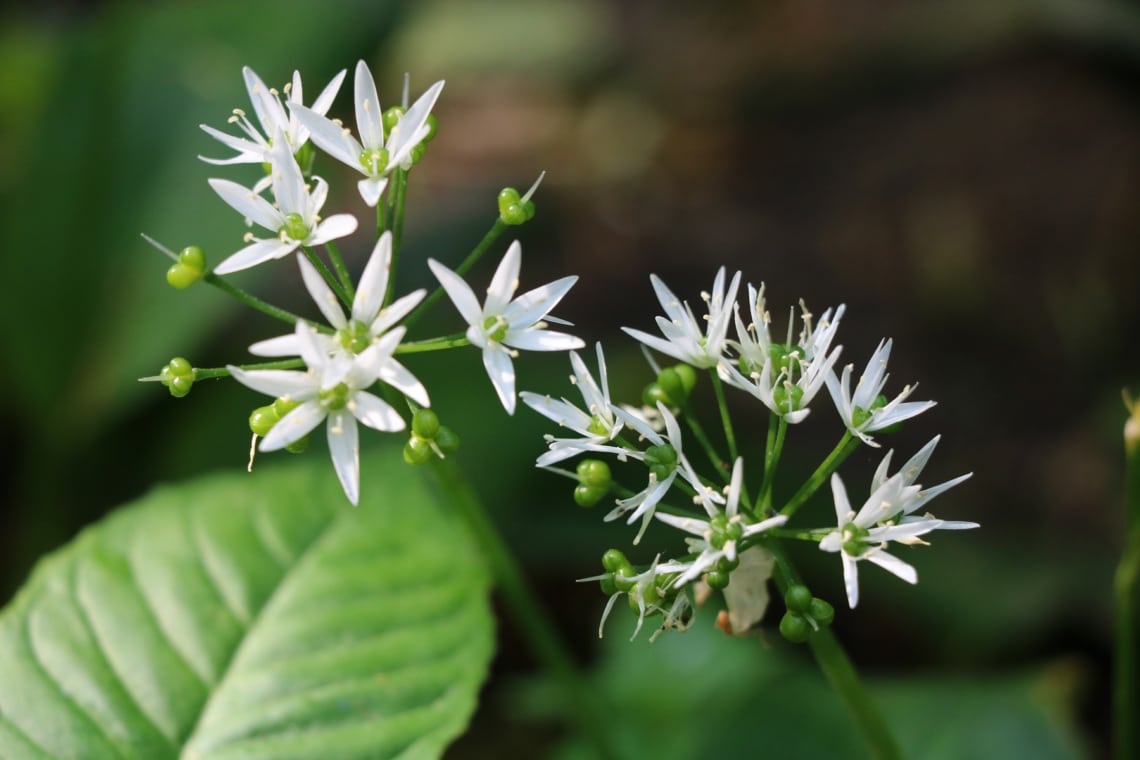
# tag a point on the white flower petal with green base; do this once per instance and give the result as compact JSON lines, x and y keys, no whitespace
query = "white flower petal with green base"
{"x":859,"y":411}
{"x":502,"y":324}
{"x":333,"y":389}
{"x":295,"y":221}
{"x":684,"y":338}
{"x":255,"y":147}
{"x":372,"y":155}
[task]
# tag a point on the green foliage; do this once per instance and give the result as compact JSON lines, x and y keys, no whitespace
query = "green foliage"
{"x":252,"y":616}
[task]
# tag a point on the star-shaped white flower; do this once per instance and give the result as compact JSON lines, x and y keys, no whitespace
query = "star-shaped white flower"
{"x":373,"y":155}
{"x":865,"y":535}
{"x":861,"y":411}
{"x":255,"y":147}
{"x":502,"y":324}
{"x":367,"y":323}
{"x":666,"y":459}
{"x":784,"y":376}
{"x":295,"y":219}
{"x":596,"y":426}
{"x":332,"y":389}
{"x":909,"y":473}
{"x":717,"y":537}
{"x":684,"y":338}
{"x":644,"y":592}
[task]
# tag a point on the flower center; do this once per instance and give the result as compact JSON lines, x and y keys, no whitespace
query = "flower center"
{"x":374,"y":160}
{"x":598,"y":426}
{"x":861,"y":416}
{"x":335,"y":398}
{"x":662,"y":460}
{"x":788,"y":397}
{"x":355,"y":336}
{"x":495,"y":328}
{"x":295,"y":227}
{"x":854,"y":540}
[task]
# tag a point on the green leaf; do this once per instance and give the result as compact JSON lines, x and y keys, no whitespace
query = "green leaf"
{"x":252,"y":616}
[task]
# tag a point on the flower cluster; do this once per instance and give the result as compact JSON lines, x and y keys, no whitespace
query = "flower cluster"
{"x":343,"y":369}
{"x":721,"y":519}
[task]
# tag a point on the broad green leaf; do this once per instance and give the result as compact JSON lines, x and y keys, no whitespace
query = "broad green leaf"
{"x":252,"y":616}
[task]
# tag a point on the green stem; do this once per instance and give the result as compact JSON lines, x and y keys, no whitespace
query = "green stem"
{"x":399,"y":198}
{"x":847,"y":444}
{"x":1126,"y":686}
{"x":213,"y":373}
{"x":841,"y":674}
{"x":433,"y":344}
{"x":497,"y":229}
{"x":725,"y":420}
{"x":341,"y":270}
{"x":251,"y":300}
{"x":536,"y":628}
{"x":773,"y":449}
{"x":717,"y":461}
{"x":381,"y":218}
{"x":330,"y":278}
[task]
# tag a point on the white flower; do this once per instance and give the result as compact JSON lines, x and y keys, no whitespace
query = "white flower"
{"x":645,"y":593}
{"x":596,"y":426}
{"x":684,"y":339}
{"x":785,"y":377}
{"x":332,"y":388}
{"x":866,"y":534}
{"x":255,"y":147}
{"x":295,"y":219}
{"x":502,"y":324}
{"x":666,"y":459}
{"x":909,"y":474}
{"x":861,"y":411}
{"x":717,"y":536}
{"x":372,"y":156}
{"x":367,"y":323}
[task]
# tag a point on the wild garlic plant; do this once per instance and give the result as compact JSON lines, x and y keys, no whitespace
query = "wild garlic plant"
{"x":343,"y":365}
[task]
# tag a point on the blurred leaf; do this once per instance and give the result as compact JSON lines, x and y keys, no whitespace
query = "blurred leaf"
{"x":251,"y":616}
{"x":701,"y":694}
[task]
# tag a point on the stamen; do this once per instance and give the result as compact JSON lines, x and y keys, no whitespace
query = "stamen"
{"x":252,"y":453}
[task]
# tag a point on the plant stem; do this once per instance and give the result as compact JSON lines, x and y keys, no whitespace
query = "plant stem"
{"x":341,"y":270}
{"x":212,"y":373}
{"x":484,"y":245}
{"x":841,"y":674}
{"x":522,"y":604}
{"x":251,"y":300}
{"x":433,"y":344}
{"x":774,"y":447}
{"x":1126,"y":686}
{"x":330,"y":278}
{"x":847,"y":444}
{"x":399,"y":197}
{"x":717,"y":461}
{"x":725,"y":420}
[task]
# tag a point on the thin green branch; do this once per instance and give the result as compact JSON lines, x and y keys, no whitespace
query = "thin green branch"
{"x":725,"y":420}
{"x":250,"y":300}
{"x":341,"y":270}
{"x":772,"y":451}
{"x":433,"y":344}
{"x":847,"y":444}
{"x":719,"y":464}
{"x":497,"y":229}
{"x":326,"y":273}
{"x":399,"y":199}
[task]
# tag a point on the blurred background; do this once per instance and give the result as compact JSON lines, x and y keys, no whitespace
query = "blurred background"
{"x":963,"y":174}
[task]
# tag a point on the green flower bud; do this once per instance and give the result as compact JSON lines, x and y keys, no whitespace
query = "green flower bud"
{"x":821,"y":612}
{"x":305,"y":155}
{"x":726,"y":565}
{"x":716,"y":579}
{"x":425,"y":424}
{"x":177,"y":376}
{"x":613,"y":560}
{"x":433,"y":128}
{"x":390,"y":117}
{"x":298,"y":446}
{"x":180,"y":386}
{"x":190,"y":267}
{"x":609,"y":588}
{"x":794,"y":627}
{"x":587,"y":495}
{"x":688,"y":377}
{"x":417,"y":451}
{"x":654,"y":393}
{"x":798,"y":599}
{"x":672,"y":386}
{"x":418,"y":152}
{"x":262,"y":419}
{"x":595,"y":472}
{"x":283,"y":406}
{"x":513,"y":210}
{"x":447,"y":440}
{"x":180,"y":366}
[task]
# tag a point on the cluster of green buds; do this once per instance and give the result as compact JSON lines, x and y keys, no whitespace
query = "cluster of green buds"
{"x":594,"y":481}
{"x":178,"y":376}
{"x":651,"y":593}
{"x":805,"y":614}
{"x":429,"y":438}
{"x":189,"y":267}
{"x":263,"y":418}
{"x":672,"y":387}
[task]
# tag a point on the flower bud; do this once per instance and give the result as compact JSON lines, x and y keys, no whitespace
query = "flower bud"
{"x":177,"y":376}
{"x":417,"y":451}
{"x":821,"y":612}
{"x":717,"y":579}
{"x":262,"y":419}
{"x":794,"y":627}
{"x":425,"y":424}
{"x":613,"y":560}
{"x":391,"y":116}
{"x":298,"y":446}
{"x":447,"y":440}
{"x":513,"y":210}
{"x":190,"y":267}
{"x":588,"y":496}
{"x":596,"y":473}
{"x":798,"y":599}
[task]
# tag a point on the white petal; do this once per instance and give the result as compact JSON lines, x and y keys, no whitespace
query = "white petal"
{"x":839,"y":496}
{"x":329,"y":137}
{"x":322,"y":294}
{"x":336,"y":226}
{"x":344,"y":447}
{"x":375,"y":413}
{"x":248,"y":204}
{"x":505,"y":281}
{"x":254,"y":254}
{"x":851,"y":580}
{"x":893,"y":565}
{"x":395,"y":311}
{"x":369,"y":119}
{"x":283,"y":345}
{"x":294,"y":426}
{"x":657,"y":344}
{"x":373,"y":281}
{"x":371,"y":188}
{"x":409,"y":130}
{"x":276,"y":382}
{"x":288,"y":183}
{"x":499,"y":368}
{"x":248,"y":151}
{"x":399,"y":377}
{"x":536,"y":304}
{"x":542,"y":340}
{"x":460,"y":294}
{"x":687,"y":524}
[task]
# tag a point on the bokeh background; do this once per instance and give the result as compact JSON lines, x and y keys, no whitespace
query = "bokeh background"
{"x":963,"y":174}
